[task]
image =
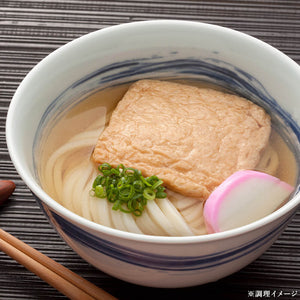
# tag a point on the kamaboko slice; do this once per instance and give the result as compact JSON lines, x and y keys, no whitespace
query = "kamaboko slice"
{"x":244,"y":197}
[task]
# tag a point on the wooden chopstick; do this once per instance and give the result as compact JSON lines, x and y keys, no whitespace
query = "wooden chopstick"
{"x":64,"y":280}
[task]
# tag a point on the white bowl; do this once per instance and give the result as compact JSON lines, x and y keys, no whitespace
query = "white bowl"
{"x":156,"y":49}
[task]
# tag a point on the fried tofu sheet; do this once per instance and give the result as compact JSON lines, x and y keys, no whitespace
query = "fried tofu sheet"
{"x":192,"y":138}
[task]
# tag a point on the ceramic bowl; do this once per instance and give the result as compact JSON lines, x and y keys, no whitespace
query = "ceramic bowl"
{"x":156,"y":49}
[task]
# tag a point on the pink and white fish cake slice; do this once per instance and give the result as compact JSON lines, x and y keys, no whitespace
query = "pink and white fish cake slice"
{"x":244,"y":197}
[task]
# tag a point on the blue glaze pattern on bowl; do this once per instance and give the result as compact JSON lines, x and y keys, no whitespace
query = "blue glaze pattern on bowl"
{"x":163,"y":262}
{"x":153,"y":261}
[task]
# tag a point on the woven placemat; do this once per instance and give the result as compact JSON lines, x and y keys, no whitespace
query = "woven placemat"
{"x":30,"y":30}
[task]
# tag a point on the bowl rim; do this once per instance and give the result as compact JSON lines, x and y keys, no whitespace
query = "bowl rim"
{"x":35,"y":188}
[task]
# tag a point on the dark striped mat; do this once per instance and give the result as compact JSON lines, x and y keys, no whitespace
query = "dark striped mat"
{"x":31,"y":29}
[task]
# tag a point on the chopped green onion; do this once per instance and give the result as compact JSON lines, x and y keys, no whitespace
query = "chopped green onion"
{"x":149,"y":194}
{"x":157,"y":184}
{"x":99,"y":191}
{"x":160,"y":195}
{"x":127,"y":188}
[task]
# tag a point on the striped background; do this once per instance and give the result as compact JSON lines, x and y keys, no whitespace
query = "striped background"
{"x":31,"y":29}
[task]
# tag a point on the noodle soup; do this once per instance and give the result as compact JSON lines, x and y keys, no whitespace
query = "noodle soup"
{"x":67,"y":171}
